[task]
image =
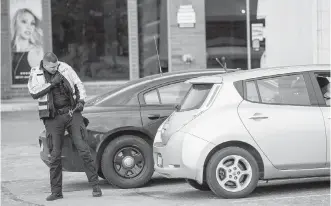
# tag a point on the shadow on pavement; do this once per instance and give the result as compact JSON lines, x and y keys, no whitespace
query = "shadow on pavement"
{"x":164,"y":181}
{"x":264,"y":191}
{"x":268,"y":190}
{"x":83,"y":185}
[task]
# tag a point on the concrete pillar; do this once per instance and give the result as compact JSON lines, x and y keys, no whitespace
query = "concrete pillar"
{"x":186,"y":40}
{"x":6,"y":74}
{"x":47,"y":25}
{"x":133,"y":39}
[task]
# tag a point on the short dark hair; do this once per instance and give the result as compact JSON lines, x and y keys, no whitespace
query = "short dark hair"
{"x":50,"y":57}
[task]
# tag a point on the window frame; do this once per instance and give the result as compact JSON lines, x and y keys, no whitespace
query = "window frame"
{"x":316,"y":87}
{"x":157,"y":93}
{"x":239,"y":85}
{"x":257,"y":91}
{"x":308,"y":82}
{"x":142,"y":93}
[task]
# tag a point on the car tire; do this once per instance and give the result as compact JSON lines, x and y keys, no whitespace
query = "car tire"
{"x":228,"y":188}
{"x":112,"y":170}
{"x":196,"y":185}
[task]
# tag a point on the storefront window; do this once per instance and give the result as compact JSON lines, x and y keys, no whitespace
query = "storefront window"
{"x":92,"y":36}
{"x":226,"y":34}
{"x":152,"y":25}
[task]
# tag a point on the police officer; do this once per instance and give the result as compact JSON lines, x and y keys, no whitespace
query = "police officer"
{"x":59,"y":91}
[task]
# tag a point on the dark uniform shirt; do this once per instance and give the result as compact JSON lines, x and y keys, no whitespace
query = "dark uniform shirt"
{"x":60,"y":98}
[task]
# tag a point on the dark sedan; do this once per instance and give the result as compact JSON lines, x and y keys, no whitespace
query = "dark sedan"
{"x":122,"y":126}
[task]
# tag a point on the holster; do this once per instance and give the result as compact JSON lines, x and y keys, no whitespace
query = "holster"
{"x":86,"y":121}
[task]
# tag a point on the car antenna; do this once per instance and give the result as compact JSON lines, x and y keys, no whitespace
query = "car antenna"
{"x":224,"y":66}
{"x":158,"y":56}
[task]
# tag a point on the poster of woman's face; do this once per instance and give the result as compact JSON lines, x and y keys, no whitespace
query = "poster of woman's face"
{"x":26,"y":37}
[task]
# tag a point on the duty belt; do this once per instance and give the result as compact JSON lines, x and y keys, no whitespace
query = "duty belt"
{"x":64,"y":110}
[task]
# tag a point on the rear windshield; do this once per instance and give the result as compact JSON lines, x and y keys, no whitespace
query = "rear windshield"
{"x":196,"y":97}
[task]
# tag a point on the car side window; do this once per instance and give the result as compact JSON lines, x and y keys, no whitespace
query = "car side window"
{"x":252,"y":94}
{"x":152,"y":97}
{"x":169,"y":94}
{"x":289,"y":90}
{"x":323,"y":80}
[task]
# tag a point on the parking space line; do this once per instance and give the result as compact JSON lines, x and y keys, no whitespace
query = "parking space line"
{"x":280,"y":198}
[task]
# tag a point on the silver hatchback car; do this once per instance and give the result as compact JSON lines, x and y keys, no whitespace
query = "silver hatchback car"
{"x":234,"y":129}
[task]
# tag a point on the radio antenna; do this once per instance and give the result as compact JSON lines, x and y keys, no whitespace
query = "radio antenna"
{"x":224,"y":66}
{"x":158,"y":56}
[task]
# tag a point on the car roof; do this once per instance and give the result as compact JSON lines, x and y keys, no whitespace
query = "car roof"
{"x":164,"y":76}
{"x":259,"y":72}
{"x":149,"y":80}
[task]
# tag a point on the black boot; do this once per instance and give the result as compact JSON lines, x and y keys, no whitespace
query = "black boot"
{"x":54,"y":196}
{"x":96,"y":191}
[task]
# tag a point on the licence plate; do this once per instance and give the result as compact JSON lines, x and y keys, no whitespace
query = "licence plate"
{"x":159,"y":160}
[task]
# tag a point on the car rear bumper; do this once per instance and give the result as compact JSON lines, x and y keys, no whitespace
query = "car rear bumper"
{"x":180,"y":157}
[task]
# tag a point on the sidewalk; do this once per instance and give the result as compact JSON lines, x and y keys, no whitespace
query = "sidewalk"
{"x":21,"y":104}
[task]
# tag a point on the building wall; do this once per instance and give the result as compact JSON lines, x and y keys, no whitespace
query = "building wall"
{"x":323,"y":32}
{"x":5,"y":51}
{"x":296,"y":34}
{"x":186,"y":40}
{"x":288,"y":32}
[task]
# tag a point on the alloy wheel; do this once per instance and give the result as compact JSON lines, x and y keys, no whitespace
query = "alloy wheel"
{"x":234,"y":173}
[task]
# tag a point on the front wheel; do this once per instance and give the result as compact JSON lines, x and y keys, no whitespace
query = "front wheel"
{"x":232,"y":173}
{"x":127,"y":162}
{"x":196,"y":185}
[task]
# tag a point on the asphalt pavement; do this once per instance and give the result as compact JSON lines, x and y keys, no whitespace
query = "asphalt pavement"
{"x":25,"y":179}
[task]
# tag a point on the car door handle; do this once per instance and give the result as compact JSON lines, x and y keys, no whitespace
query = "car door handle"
{"x":258,"y":116}
{"x":154,"y":116}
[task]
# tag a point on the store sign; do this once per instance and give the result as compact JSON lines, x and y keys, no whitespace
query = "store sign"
{"x":186,"y":17}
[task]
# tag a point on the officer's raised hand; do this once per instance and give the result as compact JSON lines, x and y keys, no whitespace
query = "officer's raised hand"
{"x":56,"y":79}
